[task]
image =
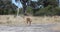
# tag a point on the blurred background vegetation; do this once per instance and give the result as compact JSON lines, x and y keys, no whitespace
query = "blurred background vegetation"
{"x":50,"y":8}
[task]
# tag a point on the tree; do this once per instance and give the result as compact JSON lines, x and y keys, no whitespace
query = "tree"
{"x":53,"y":3}
{"x":45,"y":3}
{"x":6,"y":7}
{"x":36,"y":4}
{"x":23,"y":4}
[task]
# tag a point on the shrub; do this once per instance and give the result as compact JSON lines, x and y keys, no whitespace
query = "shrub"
{"x":49,"y":11}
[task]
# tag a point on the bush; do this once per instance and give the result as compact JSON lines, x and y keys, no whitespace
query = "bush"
{"x":29,"y":10}
{"x":48,"y":11}
{"x":7,"y":12}
{"x":57,"y":11}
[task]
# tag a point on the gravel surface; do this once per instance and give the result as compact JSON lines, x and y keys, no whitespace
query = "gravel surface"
{"x":32,"y":28}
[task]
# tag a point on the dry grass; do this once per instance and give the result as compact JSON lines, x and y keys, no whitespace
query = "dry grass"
{"x":11,"y":20}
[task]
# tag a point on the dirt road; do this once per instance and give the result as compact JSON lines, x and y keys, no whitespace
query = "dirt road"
{"x":32,"y":28}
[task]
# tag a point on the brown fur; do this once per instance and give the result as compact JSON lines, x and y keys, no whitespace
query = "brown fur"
{"x":28,"y":21}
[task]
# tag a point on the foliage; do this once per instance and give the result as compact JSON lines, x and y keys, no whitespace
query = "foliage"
{"x":50,"y":8}
{"x":6,"y":7}
{"x":48,"y":11}
{"x":45,"y":3}
{"x":29,"y":10}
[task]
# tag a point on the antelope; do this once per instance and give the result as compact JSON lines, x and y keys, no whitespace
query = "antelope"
{"x":28,"y":19}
